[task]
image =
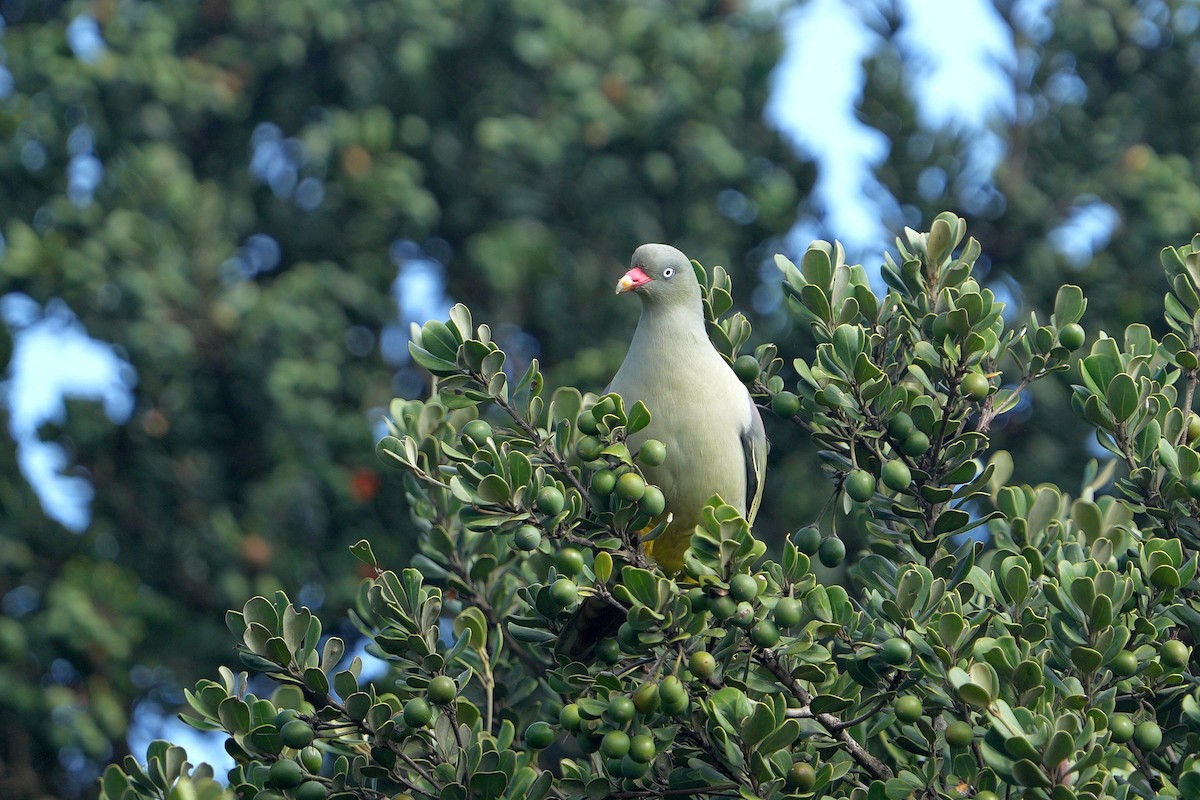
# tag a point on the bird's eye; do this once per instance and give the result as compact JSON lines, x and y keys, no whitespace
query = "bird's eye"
{"x":668,"y":272}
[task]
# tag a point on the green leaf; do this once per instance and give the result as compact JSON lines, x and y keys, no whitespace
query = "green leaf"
{"x":494,"y":489}
{"x":638,"y":418}
{"x":363,"y":552}
{"x":1122,"y":396}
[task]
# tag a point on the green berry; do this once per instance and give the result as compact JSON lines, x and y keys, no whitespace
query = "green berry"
{"x":615,"y":744}
{"x":1192,"y":484}
{"x":1121,"y":728}
{"x":743,"y":587}
{"x":1071,"y":336}
{"x":976,"y":386}
{"x":653,"y":502}
{"x":1124,"y":664}
{"x":604,"y":481}
{"x":908,"y":708}
{"x":285,"y":716}
{"x":959,"y":734}
{"x":787,"y":612}
{"x":311,"y":790}
{"x":896,"y":651}
{"x":915,"y":444}
{"x":631,"y":487}
{"x":764,"y":633}
{"x":785,"y":405}
{"x":285,"y":774}
{"x":674,"y":695}
{"x":586,"y":422}
{"x":896,"y":475}
{"x":417,"y":713}
{"x":477,"y":431}
{"x":550,"y":501}
{"x":527,"y":538}
{"x":801,"y":777}
{"x":539,"y":735}
{"x":564,"y":592}
{"x":608,"y":651}
{"x":311,"y":759}
{"x":899,"y":426}
{"x":702,"y":664}
{"x":652,"y":453}
{"x":569,"y":717}
{"x":620,"y":709}
{"x":832,"y":551}
{"x":1147,"y":735}
{"x":743,"y":615}
{"x":569,"y":561}
{"x":296,"y":734}
{"x":698,"y":601}
{"x":588,"y":448}
{"x":860,"y":485}
{"x":442,"y":690}
{"x":746,"y":368}
{"x":1175,"y":654}
{"x":646,"y":699}
{"x":986,"y":795}
{"x":641,"y":748}
{"x":631,"y":767}
{"x":723,"y":607}
{"x":1193,"y":427}
{"x":807,"y":540}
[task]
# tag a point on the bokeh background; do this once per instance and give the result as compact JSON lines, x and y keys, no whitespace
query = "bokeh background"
{"x":218,"y":218}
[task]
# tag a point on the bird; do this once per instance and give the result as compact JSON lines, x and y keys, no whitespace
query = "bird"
{"x":699,"y":408}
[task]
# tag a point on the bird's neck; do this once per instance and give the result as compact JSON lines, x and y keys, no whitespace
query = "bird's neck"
{"x":663,"y":328}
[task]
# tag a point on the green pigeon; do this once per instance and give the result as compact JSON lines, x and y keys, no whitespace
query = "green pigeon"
{"x":701,"y":410}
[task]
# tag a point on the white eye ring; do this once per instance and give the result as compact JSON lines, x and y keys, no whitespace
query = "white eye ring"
{"x":668,"y":272}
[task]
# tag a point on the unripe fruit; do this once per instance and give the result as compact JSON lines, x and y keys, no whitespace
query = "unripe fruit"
{"x":569,"y":717}
{"x":296,"y":734}
{"x":908,"y":708}
{"x":477,"y":431}
{"x":785,"y":405}
{"x":604,"y":481}
{"x":641,"y":748}
{"x":899,"y":426}
{"x":620,"y":709}
{"x":615,"y":744}
{"x":652,"y":453}
{"x":632,"y":768}
{"x":1124,"y":664}
{"x":569,"y":561}
{"x":564,"y":592}
{"x":746,"y":368}
{"x":652,"y":503}
{"x":269,"y":794}
{"x":586,"y":422}
{"x":550,"y":500}
{"x":1193,"y":427}
{"x":674,"y":695}
{"x":417,"y":713}
{"x":860,"y":485}
{"x":627,"y":635}
{"x":743,"y":615}
{"x":646,"y":698}
{"x":1175,"y":654}
{"x":723,"y":607}
{"x":702,"y":664}
{"x":915,"y":444}
{"x":764,"y":633}
{"x":807,"y":540}
{"x":959,"y":734}
{"x":896,"y":651}
{"x":986,"y":795}
{"x":743,"y":587}
{"x":589,"y":448}
{"x":527,"y":538}
{"x":539,"y":735}
{"x":976,"y":386}
{"x":1071,"y":336}
{"x":1120,"y":726}
{"x":311,"y":790}
{"x":285,"y":716}
{"x":697,"y":600}
{"x":832,"y":551}
{"x":285,"y":774}
{"x":631,"y":487}
{"x":1192,"y":484}
{"x":896,"y":475}
{"x":1147,"y":735}
{"x":311,"y":759}
{"x":608,"y":651}
{"x":442,"y":690}
{"x":787,"y":612}
{"x":801,"y":777}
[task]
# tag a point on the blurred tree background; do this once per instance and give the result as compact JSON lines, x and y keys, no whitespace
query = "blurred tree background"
{"x":250,"y":200}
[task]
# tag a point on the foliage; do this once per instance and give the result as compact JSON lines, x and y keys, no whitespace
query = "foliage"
{"x":992,"y":639}
{"x":225,"y":192}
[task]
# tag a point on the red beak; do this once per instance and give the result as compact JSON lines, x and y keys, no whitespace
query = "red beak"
{"x":632,"y":280}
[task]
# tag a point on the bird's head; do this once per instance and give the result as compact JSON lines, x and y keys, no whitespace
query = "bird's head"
{"x":660,"y":274}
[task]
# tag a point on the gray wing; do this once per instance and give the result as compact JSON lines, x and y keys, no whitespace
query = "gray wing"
{"x":754,"y":452}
